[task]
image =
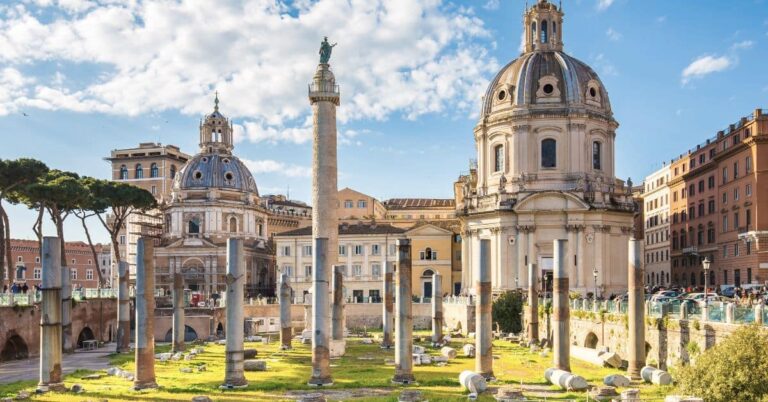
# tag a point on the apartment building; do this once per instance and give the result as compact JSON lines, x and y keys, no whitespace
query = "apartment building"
{"x":655,"y":208}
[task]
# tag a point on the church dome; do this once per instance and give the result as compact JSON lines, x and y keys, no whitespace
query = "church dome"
{"x":548,"y":79}
{"x":205,"y":171}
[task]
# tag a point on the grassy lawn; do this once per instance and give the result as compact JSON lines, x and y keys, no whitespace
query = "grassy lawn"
{"x":360,"y":375}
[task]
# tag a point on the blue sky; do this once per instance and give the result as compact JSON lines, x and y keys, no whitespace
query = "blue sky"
{"x":97,"y":75}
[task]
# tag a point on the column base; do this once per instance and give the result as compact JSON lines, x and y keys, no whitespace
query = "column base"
{"x":404,"y":379}
{"x":383,"y":346}
{"x":179,"y":348}
{"x":320,"y":382}
{"x":488,"y":376}
{"x":55,"y":387}
{"x":232,"y":386}
{"x":138,"y":386}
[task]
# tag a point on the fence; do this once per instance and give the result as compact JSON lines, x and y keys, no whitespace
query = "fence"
{"x":32,"y":297}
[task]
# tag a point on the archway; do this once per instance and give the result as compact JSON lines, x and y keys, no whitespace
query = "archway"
{"x":85,"y":335}
{"x":14,"y":349}
{"x":189,"y":334}
{"x":591,"y":341}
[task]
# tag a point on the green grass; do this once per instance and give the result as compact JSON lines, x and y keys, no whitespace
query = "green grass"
{"x":290,"y":370}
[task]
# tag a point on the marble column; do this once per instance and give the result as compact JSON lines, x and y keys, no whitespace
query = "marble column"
{"x":337,"y":312}
{"x":533,"y":303}
{"x":636,"y":312}
{"x":286,"y":329}
{"x":560,"y":308}
{"x":234,"y":376}
{"x":145,"y":315}
{"x":321,"y":325}
{"x":179,"y":326}
{"x":388,"y":307}
{"x":437,"y":308}
{"x":123,"y":338}
{"x":466,"y":261}
{"x":50,"y":317}
{"x":580,"y":268}
{"x":404,"y":321}
{"x":483,"y":320}
{"x":66,"y":307}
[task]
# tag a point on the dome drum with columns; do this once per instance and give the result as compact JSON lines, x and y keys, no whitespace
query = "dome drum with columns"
{"x":545,"y":167}
{"x":214,"y":198}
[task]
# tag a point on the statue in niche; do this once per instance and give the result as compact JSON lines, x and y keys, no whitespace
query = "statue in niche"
{"x":503,"y":184}
{"x":325,"y":50}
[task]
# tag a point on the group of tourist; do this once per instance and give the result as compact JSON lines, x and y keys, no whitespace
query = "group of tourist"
{"x":17,"y":288}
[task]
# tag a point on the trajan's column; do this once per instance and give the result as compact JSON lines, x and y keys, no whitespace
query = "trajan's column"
{"x":324,"y":98}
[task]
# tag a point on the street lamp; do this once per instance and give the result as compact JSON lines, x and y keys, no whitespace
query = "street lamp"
{"x":594,"y":274}
{"x":705,"y":264}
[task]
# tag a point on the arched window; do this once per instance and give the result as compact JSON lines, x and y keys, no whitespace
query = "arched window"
{"x":123,"y":173}
{"x":597,"y":155}
{"x":153,"y":170}
{"x":194,"y":225}
{"x":427,"y":273}
{"x":533,"y":31}
{"x":701,"y":278}
{"x":544,"y":31}
{"x":554,"y":30}
{"x":498,"y":152}
{"x":173,"y":172}
{"x":233,"y":225}
{"x":428,"y":253}
{"x":549,"y":153}
{"x":139,"y":171}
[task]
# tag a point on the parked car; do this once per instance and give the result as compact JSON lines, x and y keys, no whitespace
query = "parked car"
{"x":728,"y":291}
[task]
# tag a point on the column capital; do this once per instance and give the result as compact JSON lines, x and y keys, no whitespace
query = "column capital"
{"x":626,"y":230}
{"x":574,"y":228}
{"x":526,"y":228}
{"x":602,"y":228}
{"x":495,"y":230}
{"x":521,"y":127}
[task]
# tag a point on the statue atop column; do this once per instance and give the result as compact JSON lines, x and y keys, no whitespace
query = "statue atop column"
{"x":325,"y":50}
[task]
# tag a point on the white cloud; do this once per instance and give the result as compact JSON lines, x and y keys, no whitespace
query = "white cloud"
{"x":12,"y":87}
{"x":604,"y":4}
{"x":604,"y":66}
{"x":394,"y":58}
{"x":704,"y":66}
{"x":743,"y":45}
{"x":613,"y":34}
{"x":492,"y":5}
{"x":272,"y":166}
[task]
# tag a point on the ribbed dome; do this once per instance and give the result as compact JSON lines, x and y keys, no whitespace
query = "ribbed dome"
{"x":546,"y":79}
{"x":225,"y":172}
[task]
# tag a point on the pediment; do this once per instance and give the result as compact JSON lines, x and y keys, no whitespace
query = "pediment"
{"x":551,"y":201}
{"x":428,"y":230}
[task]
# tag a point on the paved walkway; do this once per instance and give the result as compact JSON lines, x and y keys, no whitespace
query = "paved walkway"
{"x":21,"y":370}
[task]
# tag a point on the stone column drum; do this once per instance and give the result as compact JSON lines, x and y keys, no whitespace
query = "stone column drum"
{"x":437,"y":308}
{"x":483,"y":325}
{"x":533,"y":303}
{"x":123,"y":338}
{"x":179,"y":326}
{"x":50,"y":317}
{"x":145,"y":315}
{"x":560,"y":308}
{"x":404,"y":318}
{"x":388,"y":306}
{"x":321,"y":352}
{"x":234,"y":377}
{"x":66,"y":307}
{"x":636,"y":312}
{"x":286,"y":329}
{"x":337,"y":312}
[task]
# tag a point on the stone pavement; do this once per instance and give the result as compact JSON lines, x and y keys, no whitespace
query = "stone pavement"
{"x":29,"y":369}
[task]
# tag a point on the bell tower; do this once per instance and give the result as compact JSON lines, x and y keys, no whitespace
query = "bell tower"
{"x":543,"y":24}
{"x":216,"y":132}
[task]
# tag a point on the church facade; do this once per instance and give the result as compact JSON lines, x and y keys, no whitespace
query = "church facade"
{"x":545,"y":170}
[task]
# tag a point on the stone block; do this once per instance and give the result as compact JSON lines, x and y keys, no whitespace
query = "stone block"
{"x":473,"y":382}
{"x":410,"y":395}
{"x":616,"y":380}
{"x":469,"y":350}
{"x":337,"y":347}
{"x":250,"y":353}
{"x":417,"y":349}
{"x":509,"y":394}
{"x":255,"y":365}
{"x":185,"y":369}
{"x":421,"y":358}
{"x":611,"y":359}
{"x":448,"y":352}
{"x":679,"y":398}
{"x":366,"y":341}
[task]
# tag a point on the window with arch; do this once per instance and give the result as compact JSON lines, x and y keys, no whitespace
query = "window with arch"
{"x":233,"y":225}
{"x":533,"y":31}
{"x":193,"y":226}
{"x":544,"y":31}
{"x":123,"y":172}
{"x":428,"y":273}
{"x":498,"y":158}
{"x":554,"y":30}
{"x":153,"y":172}
{"x":139,"y":171}
{"x":173,"y":172}
{"x":597,"y":155}
{"x":548,"y":153}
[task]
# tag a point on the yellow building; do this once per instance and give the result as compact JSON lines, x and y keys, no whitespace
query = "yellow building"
{"x":431,"y":251}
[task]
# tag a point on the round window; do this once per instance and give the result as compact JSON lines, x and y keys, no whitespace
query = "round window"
{"x":198,"y":175}
{"x":502,"y":94}
{"x":592,"y":92}
{"x":225,"y":160}
{"x":548,"y":89}
{"x":205,"y":160}
{"x":229,"y":176}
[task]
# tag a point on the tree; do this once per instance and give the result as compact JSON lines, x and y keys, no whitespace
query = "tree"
{"x":91,"y":205}
{"x":14,"y":174}
{"x":733,"y":370}
{"x":61,"y":193}
{"x":123,"y":199}
{"x":507,"y":310}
